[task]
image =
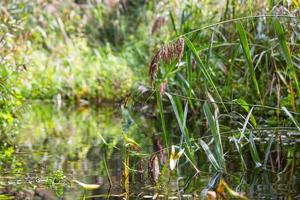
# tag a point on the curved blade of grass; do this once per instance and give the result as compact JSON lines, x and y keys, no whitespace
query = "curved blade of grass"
{"x":286,"y":51}
{"x":291,"y":117}
{"x":253,"y":151}
{"x":210,"y":156}
{"x":216,"y":135}
{"x":247,"y":53}
{"x":203,"y":69}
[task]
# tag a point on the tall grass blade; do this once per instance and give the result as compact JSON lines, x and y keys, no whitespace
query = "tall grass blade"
{"x":216,"y":134}
{"x":268,"y":152}
{"x":181,"y":117}
{"x":254,"y":153}
{"x":173,"y":22}
{"x":286,"y":51}
{"x":203,"y":69}
{"x":247,"y":53}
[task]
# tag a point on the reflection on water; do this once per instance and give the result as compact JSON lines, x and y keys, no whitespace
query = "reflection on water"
{"x":73,"y":141}
{"x":81,"y":141}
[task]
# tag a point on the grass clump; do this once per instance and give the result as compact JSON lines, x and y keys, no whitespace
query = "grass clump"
{"x":73,"y":72}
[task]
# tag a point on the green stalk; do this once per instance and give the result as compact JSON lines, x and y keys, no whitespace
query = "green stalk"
{"x":286,"y":51}
{"x":162,"y":119}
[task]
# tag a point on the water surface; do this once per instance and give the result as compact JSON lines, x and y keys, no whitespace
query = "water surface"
{"x":80,"y":140}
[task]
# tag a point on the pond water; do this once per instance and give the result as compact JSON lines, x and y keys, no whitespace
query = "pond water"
{"x":82,"y":141}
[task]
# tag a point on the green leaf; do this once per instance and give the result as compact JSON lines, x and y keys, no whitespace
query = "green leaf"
{"x":247,"y":53}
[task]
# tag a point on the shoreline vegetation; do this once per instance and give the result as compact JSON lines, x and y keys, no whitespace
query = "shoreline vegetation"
{"x":189,"y":95}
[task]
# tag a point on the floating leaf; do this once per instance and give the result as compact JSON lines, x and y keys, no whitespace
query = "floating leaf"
{"x":87,"y":186}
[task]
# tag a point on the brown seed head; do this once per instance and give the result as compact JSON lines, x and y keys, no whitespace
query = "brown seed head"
{"x":166,"y":54}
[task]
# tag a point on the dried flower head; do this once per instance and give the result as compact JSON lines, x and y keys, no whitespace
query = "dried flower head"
{"x":166,"y":54}
{"x":280,"y":10}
